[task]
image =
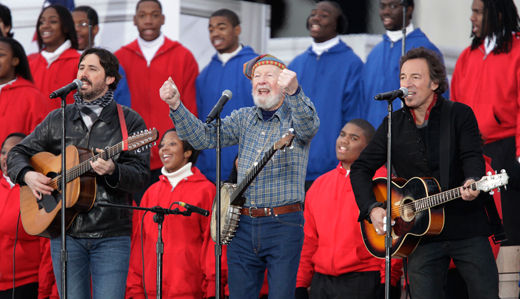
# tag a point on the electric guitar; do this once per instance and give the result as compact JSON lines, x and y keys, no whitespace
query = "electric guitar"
{"x":416,"y":211}
{"x":43,"y":216}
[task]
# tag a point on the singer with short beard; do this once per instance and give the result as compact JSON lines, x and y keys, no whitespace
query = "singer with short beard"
{"x":98,"y":241}
{"x":270,"y":233}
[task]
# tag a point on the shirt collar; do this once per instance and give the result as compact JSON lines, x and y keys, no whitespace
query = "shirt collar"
{"x":320,"y":48}
{"x":5,"y":84}
{"x":397,"y":35}
{"x":50,"y":57}
{"x":225,"y":57}
{"x":490,"y":43}
{"x":150,"y":48}
{"x":175,"y":177}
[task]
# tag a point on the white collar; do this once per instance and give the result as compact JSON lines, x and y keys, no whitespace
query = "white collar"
{"x":319,"y":48}
{"x":396,"y":35}
{"x":150,"y":48}
{"x":11,"y":184}
{"x":5,"y":84}
{"x":177,"y":176}
{"x":52,"y":56}
{"x":225,"y":57}
{"x":490,"y":43}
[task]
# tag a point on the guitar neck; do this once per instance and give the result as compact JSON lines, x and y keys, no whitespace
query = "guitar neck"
{"x":84,"y":167}
{"x":439,"y":198}
{"x":252,"y":174}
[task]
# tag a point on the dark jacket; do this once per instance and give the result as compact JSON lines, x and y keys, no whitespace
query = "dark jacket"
{"x":416,"y":154}
{"x":131,"y":173}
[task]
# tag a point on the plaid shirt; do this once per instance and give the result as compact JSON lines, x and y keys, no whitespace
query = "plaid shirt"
{"x":282,"y":180}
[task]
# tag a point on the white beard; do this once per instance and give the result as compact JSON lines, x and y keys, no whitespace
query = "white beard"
{"x":267,"y":102}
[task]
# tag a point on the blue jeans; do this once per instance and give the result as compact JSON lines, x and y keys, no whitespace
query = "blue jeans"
{"x":274,"y":242}
{"x":106,"y":260}
{"x":428,"y":268}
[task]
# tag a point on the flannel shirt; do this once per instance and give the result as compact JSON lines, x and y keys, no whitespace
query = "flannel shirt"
{"x":281,"y":181}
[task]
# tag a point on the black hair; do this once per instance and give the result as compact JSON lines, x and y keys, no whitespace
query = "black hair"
{"x":108,"y":61}
{"x":435,"y":66}
{"x":368,"y":130}
{"x":408,"y":3}
{"x":5,"y":16}
{"x":67,"y":26}
{"x":186,"y":146}
{"x":141,"y":1}
{"x":228,"y":14}
{"x":16,"y":134}
{"x":22,"y":69}
{"x":341,"y":22}
{"x":500,"y":19}
{"x":92,"y":15}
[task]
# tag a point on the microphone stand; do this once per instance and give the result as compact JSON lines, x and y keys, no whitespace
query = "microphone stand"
{"x":159,"y":247}
{"x":218,"y":242}
{"x":388,"y":224}
{"x":63,"y":254}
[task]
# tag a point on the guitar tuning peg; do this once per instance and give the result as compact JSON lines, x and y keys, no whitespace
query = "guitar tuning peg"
{"x":503,"y":171}
{"x":491,"y":192}
{"x":489,"y":173}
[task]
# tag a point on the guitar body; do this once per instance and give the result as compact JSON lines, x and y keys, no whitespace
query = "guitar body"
{"x":409,"y":225}
{"x":43,"y":217}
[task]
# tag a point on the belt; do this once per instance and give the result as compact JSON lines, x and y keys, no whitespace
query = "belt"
{"x":261,"y":212}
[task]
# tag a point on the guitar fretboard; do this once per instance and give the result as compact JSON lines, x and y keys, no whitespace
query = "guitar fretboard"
{"x":439,"y":198}
{"x":84,"y":167}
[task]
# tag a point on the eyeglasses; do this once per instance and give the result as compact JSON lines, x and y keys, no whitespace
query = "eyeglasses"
{"x":81,"y":25}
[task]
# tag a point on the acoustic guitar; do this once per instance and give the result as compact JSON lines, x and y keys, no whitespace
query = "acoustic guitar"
{"x":416,"y":211}
{"x":231,"y":196}
{"x":43,"y":216}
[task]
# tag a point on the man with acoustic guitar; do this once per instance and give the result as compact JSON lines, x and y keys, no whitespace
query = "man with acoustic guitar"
{"x":98,"y":240}
{"x":270,"y":230}
{"x":433,"y":138}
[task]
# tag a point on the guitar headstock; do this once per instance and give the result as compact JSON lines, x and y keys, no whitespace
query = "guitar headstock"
{"x":491,"y":181}
{"x":285,"y":141}
{"x":142,"y":138}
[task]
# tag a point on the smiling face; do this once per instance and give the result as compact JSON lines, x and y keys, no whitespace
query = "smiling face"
{"x":266,"y":92}
{"x":8,"y":145}
{"x":322,"y":22}
{"x":477,"y":15}
{"x":92,"y":74}
{"x":349,"y":144}
{"x":81,"y":22}
{"x":415,"y":76}
{"x":149,"y":19}
{"x":50,"y":29}
{"x":391,"y":14}
{"x":222,"y":34}
{"x":8,"y":63}
{"x":171,"y":152}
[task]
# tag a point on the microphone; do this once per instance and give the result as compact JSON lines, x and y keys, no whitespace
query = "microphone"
{"x":390,"y":95}
{"x":66,"y":89}
{"x":226,"y":95}
{"x":193,"y":208}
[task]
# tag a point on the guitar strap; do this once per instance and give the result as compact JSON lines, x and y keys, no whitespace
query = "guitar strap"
{"x":491,"y":209}
{"x":122,"y":124}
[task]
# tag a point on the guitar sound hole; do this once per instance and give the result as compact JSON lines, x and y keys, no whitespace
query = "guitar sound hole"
{"x":407,"y":210}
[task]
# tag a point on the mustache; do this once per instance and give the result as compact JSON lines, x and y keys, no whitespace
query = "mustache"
{"x":84,"y":79}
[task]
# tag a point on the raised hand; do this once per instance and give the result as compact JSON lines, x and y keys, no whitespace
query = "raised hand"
{"x":170,"y":94}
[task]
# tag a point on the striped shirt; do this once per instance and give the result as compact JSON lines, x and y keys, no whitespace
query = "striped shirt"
{"x":282,"y":180}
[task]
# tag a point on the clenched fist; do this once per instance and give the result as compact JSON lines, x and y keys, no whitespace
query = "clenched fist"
{"x":288,"y":82}
{"x":170,"y":94}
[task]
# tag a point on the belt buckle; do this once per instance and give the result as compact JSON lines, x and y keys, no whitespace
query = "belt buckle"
{"x":250,"y":209}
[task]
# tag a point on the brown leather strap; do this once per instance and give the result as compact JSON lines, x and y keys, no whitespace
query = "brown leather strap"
{"x":122,"y":123}
{"x":261,"y":212}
